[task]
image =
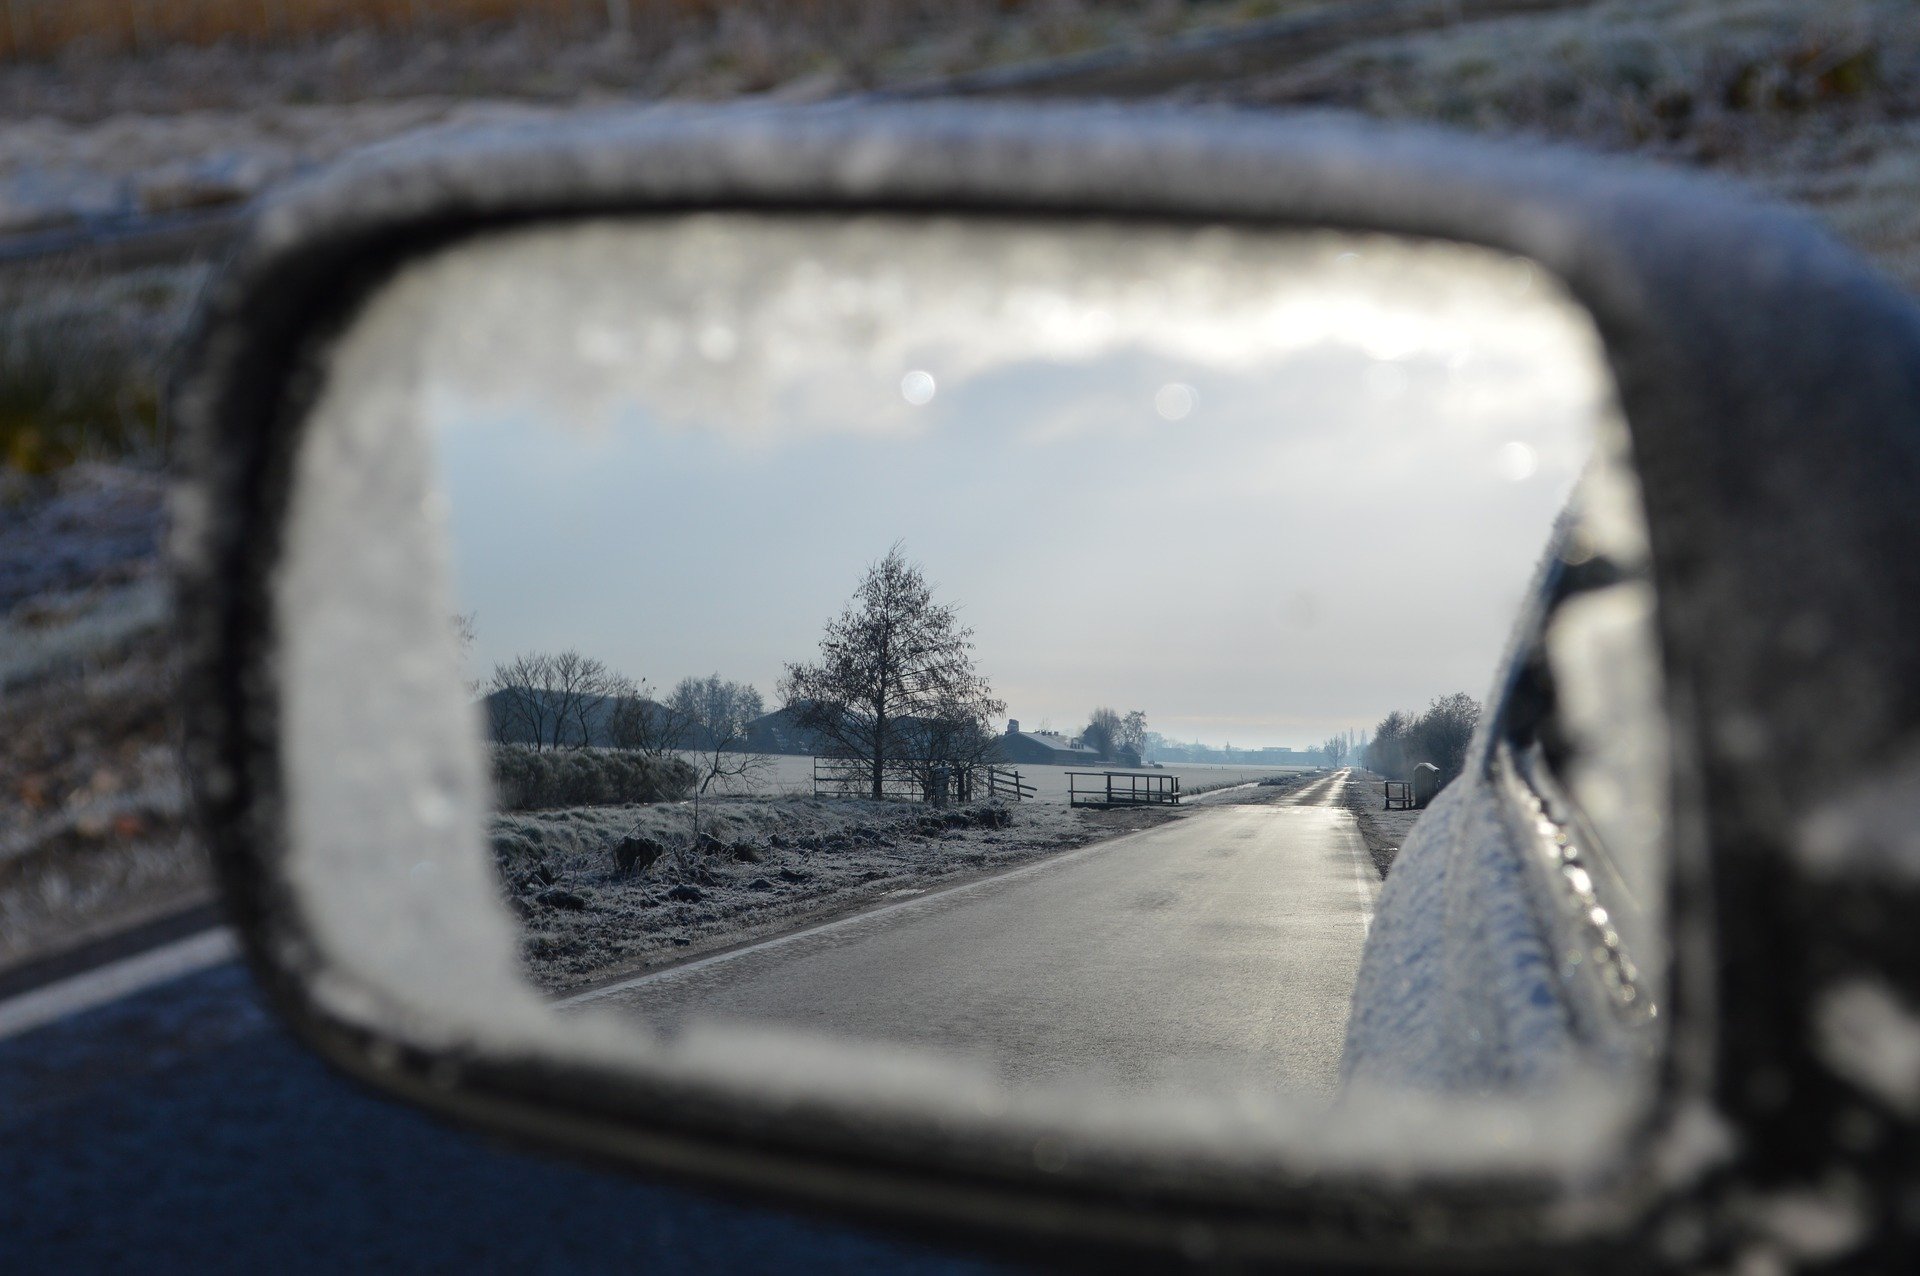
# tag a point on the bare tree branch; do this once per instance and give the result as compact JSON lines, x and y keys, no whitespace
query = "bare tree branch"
{"x":718,"y":713}
{"x":638,"y":722}
{"x":551,"y":701}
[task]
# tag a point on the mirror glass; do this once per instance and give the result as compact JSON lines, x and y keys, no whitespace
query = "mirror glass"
{"x":1022,"y":645}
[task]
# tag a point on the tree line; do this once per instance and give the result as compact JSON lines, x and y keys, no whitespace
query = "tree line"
{"x":1439,"y":735}
{"x":567,"y":700}
{"x":894,"y":687}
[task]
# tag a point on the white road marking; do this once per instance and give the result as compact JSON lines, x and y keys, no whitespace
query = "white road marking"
{"x":1187,"y":799}
{"x":1364,"y":880}
{"x":115,"y":980}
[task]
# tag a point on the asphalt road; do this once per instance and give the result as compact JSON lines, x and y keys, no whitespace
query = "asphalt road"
{"x":1221,"y":946}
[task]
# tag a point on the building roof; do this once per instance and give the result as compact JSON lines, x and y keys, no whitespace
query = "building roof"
{"x":1053,"y":740}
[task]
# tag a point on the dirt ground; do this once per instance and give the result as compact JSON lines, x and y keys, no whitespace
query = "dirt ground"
{"x":1384,"y":831}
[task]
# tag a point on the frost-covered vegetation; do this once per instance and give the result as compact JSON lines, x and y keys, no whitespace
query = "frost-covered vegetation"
{"x":526,"y":779}
{"x":301,"y":51}
{"x":1626,"y":71}
{"x":1818,"y":104}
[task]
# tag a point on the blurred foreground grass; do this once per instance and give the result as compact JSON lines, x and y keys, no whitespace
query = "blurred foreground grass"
{"x":1815,"y":104}
{"x":42,"y":28}
{"x":83,"y":363}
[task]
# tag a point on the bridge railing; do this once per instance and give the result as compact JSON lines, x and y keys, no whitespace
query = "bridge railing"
{"x":1122,"y":788}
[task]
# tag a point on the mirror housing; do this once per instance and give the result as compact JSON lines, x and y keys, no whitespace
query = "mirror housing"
{"x":1771,"y":384}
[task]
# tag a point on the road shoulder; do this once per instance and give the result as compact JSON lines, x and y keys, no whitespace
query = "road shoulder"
{"x":1384,"y":831}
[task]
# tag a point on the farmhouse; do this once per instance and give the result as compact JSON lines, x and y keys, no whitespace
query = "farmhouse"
{"x":1043,"y":748}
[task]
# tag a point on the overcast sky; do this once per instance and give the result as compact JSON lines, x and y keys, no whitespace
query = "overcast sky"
{"x":1261,"y":486}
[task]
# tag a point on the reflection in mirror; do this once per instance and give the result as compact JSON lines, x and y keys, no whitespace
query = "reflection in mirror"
{"x":1038,"y":644}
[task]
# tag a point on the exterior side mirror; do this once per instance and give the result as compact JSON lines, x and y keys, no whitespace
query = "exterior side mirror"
{"x":1769,"y":387}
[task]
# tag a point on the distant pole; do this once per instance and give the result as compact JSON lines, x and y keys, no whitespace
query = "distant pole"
{"x":19,"y":27}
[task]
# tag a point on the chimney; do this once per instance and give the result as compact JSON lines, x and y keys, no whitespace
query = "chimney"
{"x":1013,"y":726}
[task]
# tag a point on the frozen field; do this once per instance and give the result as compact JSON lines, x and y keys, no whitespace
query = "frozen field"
{"x":790,"y":775}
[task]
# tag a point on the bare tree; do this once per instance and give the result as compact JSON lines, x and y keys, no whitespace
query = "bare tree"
{"x":1387,"y":752}
{"x":580,"y":685}
{"x":517,"y":706}
{"x":1133,"y":732}
{"x":1336,"y":750}
{"x":550,"y":701}
{"x":891,"y":657}
{"x":719,"y":713}
{"x":464,"y":634}
{"x":638,"y":722}
{"x":1441,"y":734}
{"x":1102,"y":732}
{"x":955,"y":738}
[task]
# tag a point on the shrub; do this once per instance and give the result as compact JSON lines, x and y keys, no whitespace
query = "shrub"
{"x":526,"y":780}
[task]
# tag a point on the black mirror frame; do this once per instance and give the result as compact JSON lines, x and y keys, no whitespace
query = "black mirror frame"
{"x":1771,"y":383}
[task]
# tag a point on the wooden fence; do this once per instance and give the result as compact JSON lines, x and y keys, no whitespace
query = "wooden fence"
{"x":1007,"y":786}
{"x":906,"y":781}
{"x":851,"y":777}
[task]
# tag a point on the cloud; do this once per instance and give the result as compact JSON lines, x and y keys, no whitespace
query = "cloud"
{"x":770,"y":329}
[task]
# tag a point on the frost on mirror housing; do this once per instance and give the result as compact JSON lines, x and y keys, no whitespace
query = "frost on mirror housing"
{"x":1270,"y":485}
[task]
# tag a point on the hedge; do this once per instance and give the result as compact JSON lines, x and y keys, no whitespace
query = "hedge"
{"x":525,"y":779}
